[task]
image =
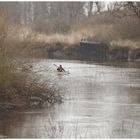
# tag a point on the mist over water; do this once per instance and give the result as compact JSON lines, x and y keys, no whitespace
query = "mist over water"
{"x":99,"y":101}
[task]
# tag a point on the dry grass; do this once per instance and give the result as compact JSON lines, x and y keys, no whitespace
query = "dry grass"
{"x":117,"y":33}
{"x":17,"y":85}
{"x":70,"y":38}
{"x":125,"y":43}
{"x":105,"y":28}
{"x":108,"y":29}
{"x":75,"y":37}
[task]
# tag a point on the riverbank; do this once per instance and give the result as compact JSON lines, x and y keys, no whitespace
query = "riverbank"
{"x":121,"y":35}
{"x":68,"y":51}
{"x":20,"y":87}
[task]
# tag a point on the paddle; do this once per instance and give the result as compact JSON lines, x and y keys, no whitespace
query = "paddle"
{"x":64,"y":69}
{"x":55,"y":65}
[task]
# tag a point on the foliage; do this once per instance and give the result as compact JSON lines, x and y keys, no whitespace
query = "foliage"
{"x":17,"y":83}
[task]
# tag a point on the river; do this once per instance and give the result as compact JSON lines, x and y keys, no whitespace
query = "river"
{"x":99,"y":101}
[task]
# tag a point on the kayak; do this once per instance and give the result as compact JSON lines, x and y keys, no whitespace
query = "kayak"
{"x":63,"y":73}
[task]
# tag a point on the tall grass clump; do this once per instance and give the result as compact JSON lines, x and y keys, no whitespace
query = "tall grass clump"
{"x":19,"y":86}
{"x":4,"y":60}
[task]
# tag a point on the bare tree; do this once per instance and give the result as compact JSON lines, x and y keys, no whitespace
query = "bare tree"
{"x":75,"y":11}
{"x":120,"y":9}
{"x":94,"y":7}
{"x":90,"y":8}
{"x":135,"y":6}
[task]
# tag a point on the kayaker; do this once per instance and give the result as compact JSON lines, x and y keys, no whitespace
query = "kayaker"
{"x":60,"y":69}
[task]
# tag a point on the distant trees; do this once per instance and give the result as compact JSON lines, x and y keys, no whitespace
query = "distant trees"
{"x":135,"y":6}
{"x":90,"y":4}
{"x":94,"y":7}
{"x":57,"y":16}
{"x":51,"y":16}
{"x":124,"y":7}
{"x":60,"y":17}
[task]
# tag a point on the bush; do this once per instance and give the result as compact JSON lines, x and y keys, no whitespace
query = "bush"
{"x":17,"y":85}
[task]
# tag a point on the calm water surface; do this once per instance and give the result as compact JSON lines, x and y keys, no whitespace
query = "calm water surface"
{"x":100,"y":101}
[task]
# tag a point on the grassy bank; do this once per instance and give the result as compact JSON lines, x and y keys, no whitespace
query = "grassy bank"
{"x":122,"y":35}
{"x":19,"y":86}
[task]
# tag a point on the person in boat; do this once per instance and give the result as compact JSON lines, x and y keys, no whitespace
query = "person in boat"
{"x":60,"y":69}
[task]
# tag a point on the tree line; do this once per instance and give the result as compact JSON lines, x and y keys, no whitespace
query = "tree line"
{"x":60,"y":17}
